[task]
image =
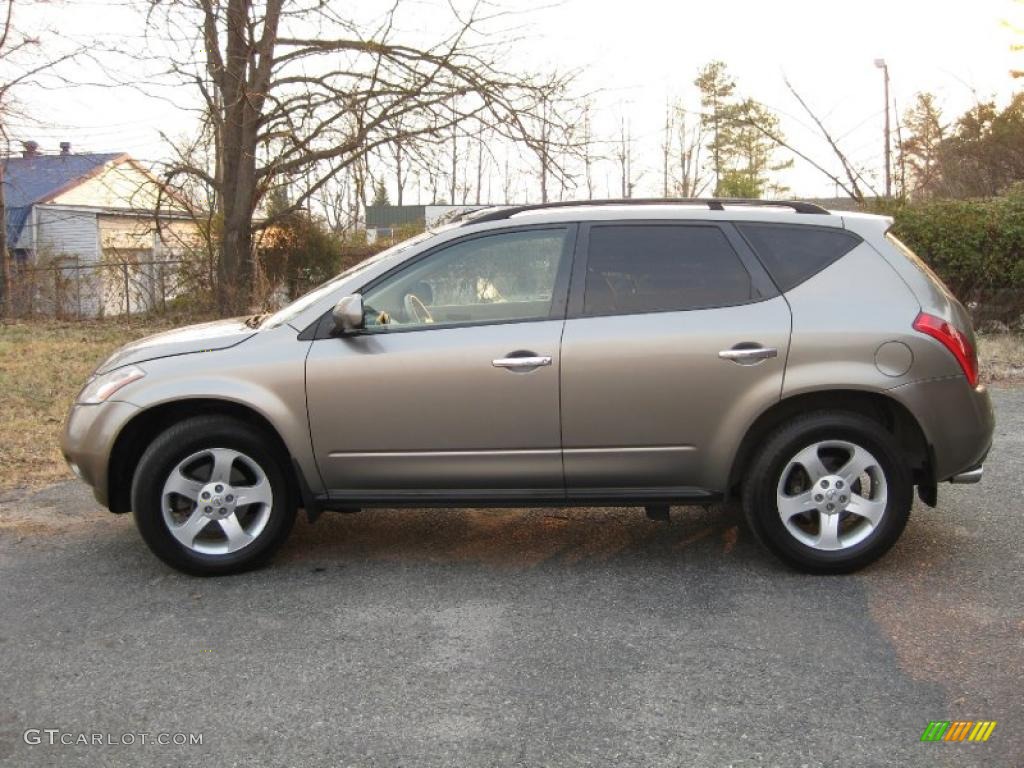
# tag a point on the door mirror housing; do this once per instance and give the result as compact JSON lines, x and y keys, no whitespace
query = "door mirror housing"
{"x":348,"y":314}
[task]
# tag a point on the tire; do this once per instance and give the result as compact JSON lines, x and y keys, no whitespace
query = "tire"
{"x":787,"y":505}
{"x":248,"y":518}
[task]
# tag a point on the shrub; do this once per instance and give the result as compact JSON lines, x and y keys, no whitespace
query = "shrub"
{"x":976,"y":247}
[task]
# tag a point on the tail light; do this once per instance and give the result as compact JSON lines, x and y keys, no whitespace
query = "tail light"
{"x":952,"y":339}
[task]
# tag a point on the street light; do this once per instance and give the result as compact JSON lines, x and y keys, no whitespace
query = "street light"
{"x":880,"y":63}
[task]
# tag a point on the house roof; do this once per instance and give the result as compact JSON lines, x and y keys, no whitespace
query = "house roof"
{"x":36,"y":179}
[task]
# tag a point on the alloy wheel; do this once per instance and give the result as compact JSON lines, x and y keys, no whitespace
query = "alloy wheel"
{"x":216,"y":501}
{"x":832,"y":495}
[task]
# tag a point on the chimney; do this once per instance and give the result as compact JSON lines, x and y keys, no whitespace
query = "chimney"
{"x":65,"y":148}
{"x":31,"y":149}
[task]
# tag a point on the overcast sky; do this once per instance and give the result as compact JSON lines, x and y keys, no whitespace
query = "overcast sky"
{"x":639,"y":54}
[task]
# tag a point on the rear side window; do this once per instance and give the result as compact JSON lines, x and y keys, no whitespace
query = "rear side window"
{"x":662,"y":268}
{"x":793,"y":254}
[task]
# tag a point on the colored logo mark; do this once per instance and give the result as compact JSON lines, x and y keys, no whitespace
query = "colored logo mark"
{"x":958,"y":730}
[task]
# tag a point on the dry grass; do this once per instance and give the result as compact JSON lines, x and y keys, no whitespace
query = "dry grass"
{"x":42,"y":366}
{"x":1001,"y":357}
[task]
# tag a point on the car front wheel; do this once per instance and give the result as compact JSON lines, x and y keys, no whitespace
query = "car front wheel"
{"x":829,"y":493}
{"x":210,"y":498}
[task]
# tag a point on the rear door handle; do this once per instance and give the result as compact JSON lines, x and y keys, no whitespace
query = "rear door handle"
{"x":520,"y":363}
{"x":749,"y":355}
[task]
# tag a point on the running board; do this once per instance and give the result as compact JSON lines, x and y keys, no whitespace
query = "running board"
{"x":533,"y":497}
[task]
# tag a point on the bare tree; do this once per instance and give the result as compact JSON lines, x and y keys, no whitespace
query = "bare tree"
{"x":691,"y":180}
{"x":587,"y":146}
{"x":507,"y":182}
{"x":682,"y":164}
{"x":25,"y":59}
{"x":454,"y":174}
{"x":479,"y":138}
{"x":399,"y":151}
{"x":624,"y":155}
{"x":286,"y":103}
{"x":552,"y":136}
{"x":666,"y":150}
{"x":853,"y":183}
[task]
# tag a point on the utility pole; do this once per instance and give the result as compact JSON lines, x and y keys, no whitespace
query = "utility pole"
{"x":880,"y":63}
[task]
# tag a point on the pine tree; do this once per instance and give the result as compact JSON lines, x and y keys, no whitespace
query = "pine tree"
{"x":718,"y":107}
{"x":920,"y":151}
{"x":380,"y":195}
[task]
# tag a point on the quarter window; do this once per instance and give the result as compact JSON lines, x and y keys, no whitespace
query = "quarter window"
{"x":662,"y":268}
{"x":794,"y":254}
{"x":494,"y":278}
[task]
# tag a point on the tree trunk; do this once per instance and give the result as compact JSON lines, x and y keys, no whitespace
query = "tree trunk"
{"x":479,"y":167}
{"x":666,"y":150}
{"x":455,"y":157}
{"x":5,"y":258}
{"x":544,"y":173}
{"x":234,"y":268}
{"x":399,"y":178}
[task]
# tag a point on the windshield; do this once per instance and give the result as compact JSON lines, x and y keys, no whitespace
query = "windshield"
{"x":305,"y":301}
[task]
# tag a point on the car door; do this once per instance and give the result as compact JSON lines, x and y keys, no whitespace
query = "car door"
{"x":676,"y":339}
{"x":451,"y":390}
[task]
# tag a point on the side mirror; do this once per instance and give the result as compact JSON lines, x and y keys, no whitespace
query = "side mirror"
{"x":348,"y":314}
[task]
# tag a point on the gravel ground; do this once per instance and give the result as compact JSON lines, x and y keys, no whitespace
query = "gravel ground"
{"x":518,"y":638}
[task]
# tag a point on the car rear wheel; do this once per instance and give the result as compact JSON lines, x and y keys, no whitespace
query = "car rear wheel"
{"x":829,"y":493}
{"x":210,"y":498}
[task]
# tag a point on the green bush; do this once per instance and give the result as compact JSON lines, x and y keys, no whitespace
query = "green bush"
{"x":976,"y":247}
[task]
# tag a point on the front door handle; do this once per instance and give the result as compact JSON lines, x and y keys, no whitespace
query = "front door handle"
{"x":520,"y":363}
{"x":748,"y":355}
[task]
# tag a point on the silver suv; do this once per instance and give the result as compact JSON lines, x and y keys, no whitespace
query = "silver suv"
{"x":802,"y":362}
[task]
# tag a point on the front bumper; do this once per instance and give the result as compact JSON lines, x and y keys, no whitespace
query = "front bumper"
{"x":88,"y":440}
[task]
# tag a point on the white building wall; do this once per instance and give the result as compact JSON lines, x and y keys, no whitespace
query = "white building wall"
{"x":119,"y":185}
{"x":64,"y":233}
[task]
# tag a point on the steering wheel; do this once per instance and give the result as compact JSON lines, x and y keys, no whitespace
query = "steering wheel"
{"x":416,"y":309}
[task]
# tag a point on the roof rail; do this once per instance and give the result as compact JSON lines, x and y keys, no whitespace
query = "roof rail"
{"x":713,"y":203}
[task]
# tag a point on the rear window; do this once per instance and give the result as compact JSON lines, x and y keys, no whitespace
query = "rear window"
{"x":792,"y":254}
{"x":633,"y":269}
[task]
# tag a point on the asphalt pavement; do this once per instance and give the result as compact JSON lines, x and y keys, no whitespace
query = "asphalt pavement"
{"x":545,"y":637}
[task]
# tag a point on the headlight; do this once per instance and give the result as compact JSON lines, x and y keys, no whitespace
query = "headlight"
{"x":102,"y":387}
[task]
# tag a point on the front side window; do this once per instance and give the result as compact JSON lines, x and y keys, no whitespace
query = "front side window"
{"x":289,"y":312}
{"x":638,"y":268}
{"x":502,"y":277}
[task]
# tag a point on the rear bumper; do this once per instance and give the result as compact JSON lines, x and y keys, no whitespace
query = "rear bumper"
{"x":957,"y":421}
{"x":969,"y":476}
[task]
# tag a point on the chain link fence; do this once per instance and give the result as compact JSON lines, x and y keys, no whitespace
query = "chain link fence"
{"x":91,"y":290}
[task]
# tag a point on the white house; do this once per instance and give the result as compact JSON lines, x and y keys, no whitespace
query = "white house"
{"x":93,"y":216}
